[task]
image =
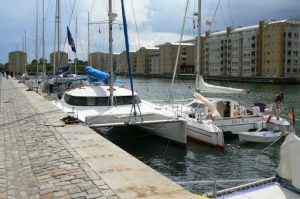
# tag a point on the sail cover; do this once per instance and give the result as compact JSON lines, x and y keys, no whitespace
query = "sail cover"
{"x":208,"y":88}
{"x":211,"y":107}
{"x":290,"y":160}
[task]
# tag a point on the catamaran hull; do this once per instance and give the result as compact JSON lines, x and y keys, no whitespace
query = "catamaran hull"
{"x":204,"y":133}
{"x":173,"y":130}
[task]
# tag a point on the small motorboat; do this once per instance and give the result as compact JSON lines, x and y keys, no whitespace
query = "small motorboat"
{"x":263,"y":136}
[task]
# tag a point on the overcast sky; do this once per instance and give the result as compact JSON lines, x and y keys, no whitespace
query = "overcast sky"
{"x":158,"y":21}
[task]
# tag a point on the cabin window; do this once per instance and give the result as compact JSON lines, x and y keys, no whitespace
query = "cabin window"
{"x":99,"y":101}
{"x":124,"y":100}
{"x":91,"y":101}
{"x":76,"y":101}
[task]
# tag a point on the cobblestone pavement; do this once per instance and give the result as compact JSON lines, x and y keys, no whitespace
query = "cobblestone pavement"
{"x":35,"y":161}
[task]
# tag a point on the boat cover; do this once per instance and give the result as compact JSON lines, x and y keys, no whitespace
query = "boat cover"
{"x":211,"y":107}
{"x":289,"y":166}
{"x":209,"y":88}
{"x":99,"y":75}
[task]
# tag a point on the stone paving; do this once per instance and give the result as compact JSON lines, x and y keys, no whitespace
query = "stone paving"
{"x":35,"y":160}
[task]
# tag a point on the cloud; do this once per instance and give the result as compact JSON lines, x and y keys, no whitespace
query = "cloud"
{"x":158,"y":21}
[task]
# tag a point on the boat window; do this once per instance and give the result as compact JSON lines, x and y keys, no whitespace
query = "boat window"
{"x":124,"y":100}
{"x":102,"y":101}
{"x":99,"y":101}
{"x":91,"y":101}
{"x":76,"y":101}
{"x":197,"y":105}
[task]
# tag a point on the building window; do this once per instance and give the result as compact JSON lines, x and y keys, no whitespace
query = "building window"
{"x":289,"y":44}
{"x":289,"y":35}
{"x":288,"y":70}
{"x":295,"y":62}
{"x":294,"y":70}
{"x":296,"y":35}
{"x":295,"y":53}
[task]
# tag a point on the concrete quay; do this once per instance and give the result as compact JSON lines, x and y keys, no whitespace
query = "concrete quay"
{"x":41,"y":157}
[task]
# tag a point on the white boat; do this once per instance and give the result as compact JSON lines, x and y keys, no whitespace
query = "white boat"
{"x":236,"y":119}
{"x":101,"y":106}
{"x":284,"y":185}
{"x":91,"y":105}
{"x":198,"y":130}
{"x":259,"y":136}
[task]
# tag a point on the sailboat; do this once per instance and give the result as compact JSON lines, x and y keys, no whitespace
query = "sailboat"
{"x":102,"y":106}
{"x":198,"y":130}
{"x":227,"y":114}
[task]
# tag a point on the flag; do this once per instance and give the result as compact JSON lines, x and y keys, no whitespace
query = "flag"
{"x":70,"y":40}
{"x":292,"y":116}
{"x":208,"y":23}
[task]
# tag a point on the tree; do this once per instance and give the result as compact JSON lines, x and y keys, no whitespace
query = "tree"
{"x":33,"y":62}
{"x":41,"y":60}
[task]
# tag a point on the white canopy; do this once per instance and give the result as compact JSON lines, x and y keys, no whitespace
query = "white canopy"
{"x":208,"y":88}
{"x":289,"y":166}
{"x":211,"y":107}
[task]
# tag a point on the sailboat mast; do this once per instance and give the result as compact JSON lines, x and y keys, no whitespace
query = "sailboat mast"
{"x":57,"y":36}
{"x":198,"y":39}
{"x":25,"y":50}
{"x":76,"y":32}
{"x":89,"y":62}
{"x":36,"y":37}
{"x":43,"y":38}
{"x":111,"y":17}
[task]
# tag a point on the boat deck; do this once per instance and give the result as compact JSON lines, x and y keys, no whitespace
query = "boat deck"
{"x":113,"y":120}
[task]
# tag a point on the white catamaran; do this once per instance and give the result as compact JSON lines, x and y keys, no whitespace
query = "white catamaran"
{"x":112,"y":106}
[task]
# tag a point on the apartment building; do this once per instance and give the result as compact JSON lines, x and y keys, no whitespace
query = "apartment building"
{"x":269,"y":49}
{"x":167,"y":58}
{"x":123,"y":66}
{"x":17,"y":62}
{"x":154,"y":62}
{"x":98,"y":60}
{"x":144,"y":56}
{"x":61,"y":59}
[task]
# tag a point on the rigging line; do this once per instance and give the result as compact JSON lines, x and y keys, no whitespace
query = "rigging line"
{"x":81,"y":46}
{"x":72,"y":12}
{"x":179,"y":47}
{"x":136,"y":28}
{"x":92,"y":6}
{"x":223,"y":16}
{"x":213,"y":19}
{"x":230,"y":13}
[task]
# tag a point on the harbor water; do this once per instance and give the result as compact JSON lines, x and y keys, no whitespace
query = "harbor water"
{"x":197,"y":167}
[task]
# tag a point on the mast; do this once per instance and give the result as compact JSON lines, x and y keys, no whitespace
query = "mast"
{"x":57,"y":36}
{"x":89,"y":39}
{"x":111,"y":18}
{"x":198,"y":39}
{"x":76,"y":45}
{"x":43,"y":38}
{"x":25,"y":52}
{"x":36,"y":38}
